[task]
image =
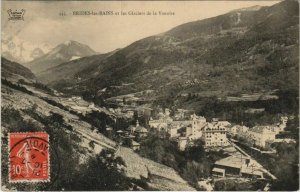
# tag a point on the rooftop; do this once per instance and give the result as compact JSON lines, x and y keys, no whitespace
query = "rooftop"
{"x":214,"y":126}
{"x":141,"y":129}
{"x":261,"y":129}
{"x":134,"y":143}
{"x":252,"y":170}
{"x":231,"y":161}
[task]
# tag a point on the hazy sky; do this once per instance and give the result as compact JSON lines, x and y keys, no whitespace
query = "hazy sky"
{"x":42,"y":22}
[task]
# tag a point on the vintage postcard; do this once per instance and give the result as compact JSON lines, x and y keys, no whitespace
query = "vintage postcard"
{"x":150,"y":95}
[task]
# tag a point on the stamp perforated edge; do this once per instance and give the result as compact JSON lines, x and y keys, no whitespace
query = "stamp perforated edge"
{"x":28,"y":180}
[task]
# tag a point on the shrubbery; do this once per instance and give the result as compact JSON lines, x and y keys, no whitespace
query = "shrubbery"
{"x":101,"y":173}
{"x":283,"y":164}
{"x":15,"y":86}
{"x":210,"y":107}
{"x":236,"y":185}
{"x":37,"y":85}
{"x":96,"y":173}
{"x":285,"y":167}
{"x":193,"y":164}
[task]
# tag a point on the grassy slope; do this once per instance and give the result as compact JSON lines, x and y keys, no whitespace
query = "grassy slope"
{"x":259,"y":53}
{"x":23,"y":103}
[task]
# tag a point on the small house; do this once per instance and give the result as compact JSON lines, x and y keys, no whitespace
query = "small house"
{"x":135,"y":145}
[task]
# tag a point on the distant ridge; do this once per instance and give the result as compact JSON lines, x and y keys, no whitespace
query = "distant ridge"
{"x":15,"y":71}
{"x":62,"y":53}
{"x":238,"y":52}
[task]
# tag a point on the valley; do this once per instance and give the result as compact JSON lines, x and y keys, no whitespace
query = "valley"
{"x":38,"y":105}
{"x":211,"y":104}
{"x":236,"y":53}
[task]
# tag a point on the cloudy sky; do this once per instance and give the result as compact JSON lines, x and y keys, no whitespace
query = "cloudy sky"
{"x":42,"y":23}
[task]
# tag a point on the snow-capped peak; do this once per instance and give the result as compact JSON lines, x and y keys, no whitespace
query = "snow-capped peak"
{"x":19,"y":50}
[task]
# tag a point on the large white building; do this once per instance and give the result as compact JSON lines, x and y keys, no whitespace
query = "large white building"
{"x":238,"y":130}
{"x":175,"y":127}
{"x":196,"y":127}
{"x":162,"y":122}
{"x":214,"y":135}
{"x":260,"y":134}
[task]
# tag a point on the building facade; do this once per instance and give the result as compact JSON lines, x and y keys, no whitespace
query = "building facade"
{"x":196,"y":127}
{"x":237,"y":166}
{"x":260,"y":134}
{"x":215,"y":135}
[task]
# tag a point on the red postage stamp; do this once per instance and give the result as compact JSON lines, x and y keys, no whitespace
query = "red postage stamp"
{"x":29,"y":157}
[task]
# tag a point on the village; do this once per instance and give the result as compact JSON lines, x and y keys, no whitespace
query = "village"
{"x":215,"y":135}
{"x":205,"y":151}
{"x":186,"y":128}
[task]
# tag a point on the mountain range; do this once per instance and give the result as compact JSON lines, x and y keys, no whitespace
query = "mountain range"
{"x":246,"y":50}
{"x":67,"y":51}
{"x":68,"y":70}
{"x":21,"y":51}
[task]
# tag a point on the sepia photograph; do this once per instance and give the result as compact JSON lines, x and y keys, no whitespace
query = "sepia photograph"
{"x":150,"y":95}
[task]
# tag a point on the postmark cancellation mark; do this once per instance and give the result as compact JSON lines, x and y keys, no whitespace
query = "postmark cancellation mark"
{"x":29,"y":157}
